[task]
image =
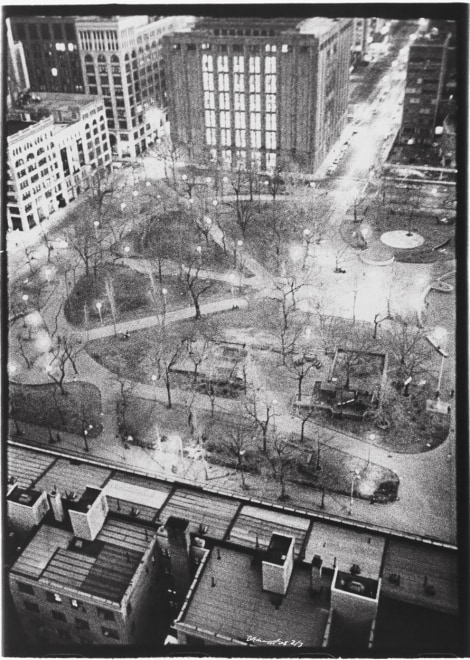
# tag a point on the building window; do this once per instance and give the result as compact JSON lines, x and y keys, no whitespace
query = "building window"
{"x":224,"y":82}
{"x":238,"y":64}
{"x":224,"y":119}
{"x":270,"y":122}
{"x":209,"y":100}
{"x":255,"y":121}
{"x":31,"y":607}
{"x":270,"y":161}
{"x":270,"y":84}
{"x":207,"y":63}
{"x":82,"y":624}
{"x":254,"y":64}
{"x":227,"y":155}
{"x":205,"y":46}
{"x":225,"y":137}
{"x":239,"y":82}
{"x":240,"y":120}
{"x":210,"y":136}
{"x":109,"y":632}
{"x":208,"y":82}
{"x":270,"y":103}
{"x":240,"y":138}
{"x":270,"y":65}
{"x":210,"y":118}
{"x":107,"y":615}
{"x":255,"y":102}
{"x":224,"y":101}
{"x":25,"y":588}
{"x":59,"y":616}
{"x":255,"y":137}
{"x":270,"y":140}
{"x":239,"y":101}
{"x":270,"y":48}
{"x":52,"y":597}
{"x":286,"y":48}
{"x":255,"y":83}
{"x":222,"y":63}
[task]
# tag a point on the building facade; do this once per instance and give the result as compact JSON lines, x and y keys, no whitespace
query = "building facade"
{"x":122,"y":62}
{"x":86,"y":576}
{"x":51,"y":52}
{"x":56,"y":143}
{"x":17,"y":71}
{"x":430,"y":81}
{"x":259,"y":93}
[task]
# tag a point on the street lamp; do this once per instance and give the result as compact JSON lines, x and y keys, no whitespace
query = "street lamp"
{"x":127,"y":249}
{"x":154,"y":381}
{"x":307,"y":234}
{"x":199,"y":251}
{"x":135,"y":193}
{"x":164,"y":293}
{"x":99,"y":305}
{"x":123,"y":206}
{"x":96,"y":224}
{"x":355,"y":475}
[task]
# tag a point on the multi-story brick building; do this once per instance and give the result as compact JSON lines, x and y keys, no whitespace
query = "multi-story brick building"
{"x":429,"y":83}
{"x":56,"y":143}
{"x":51,"y":52}
{"x":86,"y":576}
{"x":259,"y":92}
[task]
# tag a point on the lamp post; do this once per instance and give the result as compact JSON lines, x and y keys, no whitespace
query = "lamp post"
{"x":199,"y":251}
{"x":25,"y":299}
{"x":127,"y":249}
{"x":96,"y":224}
{"x":207,"y":224}
{"x":154,"y":381}
{"x":241,"y":454}
{"x":123,"y":206}
{"x":85,"y":438}
{"x":99,"y":305}
{"x":274,"y":404}
{"x":356,"y":475}
{"x":164,"y":294}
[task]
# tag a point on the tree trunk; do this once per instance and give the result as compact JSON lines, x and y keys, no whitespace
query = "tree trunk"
{"x":301,"y":377}
{"x":168,"y":388}
{"x":195,"y":298}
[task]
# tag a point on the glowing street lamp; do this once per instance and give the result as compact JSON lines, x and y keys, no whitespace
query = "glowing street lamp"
{"x":148,"y":184}
{"x":164,"y":293}
{"x":123,"y":206}
{"x":127,"y":249}
{"x":199,"y":251}
{"x":96,"y":224}
{"x":25,"y":297}
{"x":135,"y":193}
{"x":154,"y":381}
{"x":356,"y":475}
{"x":99,"y":305}
{"x":238,"y":247}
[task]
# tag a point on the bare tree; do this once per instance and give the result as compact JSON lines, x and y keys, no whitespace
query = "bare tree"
{"x":195,"y":287}
{"x":112,"y":300}
{"x":289,"y":323}
{"x":245,"y":209}
{"x":237,"y":442}
{"x":409,"y":351}
{"x":260,"y":407}
{"x":300,"y":366}
{"x":281,"y":457}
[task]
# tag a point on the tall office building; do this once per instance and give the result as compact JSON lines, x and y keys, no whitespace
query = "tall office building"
{"x":116,"y":57}
{"x":17,"y":71}
{"x":122,"y":61}
{"x":259,"y":92}
{"x":430,"y":81}
{"x":51,"y":52}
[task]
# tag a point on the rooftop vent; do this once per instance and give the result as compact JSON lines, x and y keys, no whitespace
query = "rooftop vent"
{"x":278,"y":563}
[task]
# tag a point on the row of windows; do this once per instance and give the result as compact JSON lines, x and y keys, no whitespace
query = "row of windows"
{"x":81,"y":624}
{"x":240,"y":138}
{"x":254,"y":100}
{"x":53,"y":597}
{"x":254,"y":64}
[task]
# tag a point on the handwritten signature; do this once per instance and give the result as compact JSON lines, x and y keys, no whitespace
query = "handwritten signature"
{"x":275,"y":642}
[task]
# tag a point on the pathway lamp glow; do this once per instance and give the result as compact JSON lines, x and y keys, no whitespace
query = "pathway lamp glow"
{"x":25,"y":297}
{"x":99,"y":305}
{"x":127,"y":249}
{"x":96,"y":224}
{"x":164,"y":293}
{"x":356,"y":475}
{"x":135,"y":193}
{"x":148,"y":184}
{"x":238,"y":247}
{"x":154,"y":381}
{"x":123,"y":206}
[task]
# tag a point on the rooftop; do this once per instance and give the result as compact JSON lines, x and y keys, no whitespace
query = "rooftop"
{"x":213,"y":511}
{"x":228,"y":599}
{"x":25,"y":466}
{"x":278,"y":548}
{"x":67,"y":475}
{"x":318,"y":26}
{"x":22,"y":496}
{"x":103,"y":567}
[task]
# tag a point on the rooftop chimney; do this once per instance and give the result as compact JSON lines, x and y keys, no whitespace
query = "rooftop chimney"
{"x":315,"y":575}
{"x":26,"y":507}
{"x":88,"y":514}
{"x":55,"y":499}
{"x":278,"y":564}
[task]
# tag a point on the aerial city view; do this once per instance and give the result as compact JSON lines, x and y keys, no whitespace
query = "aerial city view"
{"x":231,"y":391}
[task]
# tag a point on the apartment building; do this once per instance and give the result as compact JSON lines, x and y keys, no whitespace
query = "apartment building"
{"x":259,"y":92}
{"x":430,"y":83}
{"x":51,"y":52}
{"x":87,"y":575}
{"x":56,"y":143}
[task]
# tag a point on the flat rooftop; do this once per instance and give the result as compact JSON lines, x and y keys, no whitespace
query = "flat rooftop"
{"x":27,"y":497}
{"x":67,"y":475}
{"x":54,"y":101}
{"x":25,"y":466}
{"x":103,"y":567}
{"x":228,"y":599}
{"x":214,"y":511}
{"x":343,"y":547}
{"x":130,"y":494}
{"x":255,"y":526}
{"x":318,"y":26}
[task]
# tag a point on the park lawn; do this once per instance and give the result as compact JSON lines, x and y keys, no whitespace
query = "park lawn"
{"x":133,"y":296}
{"x":44,"y":405}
